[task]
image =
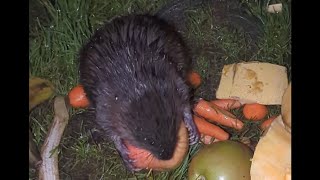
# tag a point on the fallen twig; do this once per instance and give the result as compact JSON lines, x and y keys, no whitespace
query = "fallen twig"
{"x":49,"y":167}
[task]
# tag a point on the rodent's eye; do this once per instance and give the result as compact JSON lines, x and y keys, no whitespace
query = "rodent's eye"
{"x":138,"y":128}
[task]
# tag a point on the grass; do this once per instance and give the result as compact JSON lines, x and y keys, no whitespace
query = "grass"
{"x":57,"y":36}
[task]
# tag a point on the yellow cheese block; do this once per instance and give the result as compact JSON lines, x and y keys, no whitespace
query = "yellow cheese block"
{"x":253,"y":82}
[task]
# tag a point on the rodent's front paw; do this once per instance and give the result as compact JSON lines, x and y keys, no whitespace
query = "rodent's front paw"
{"x":194,"y":136}
{"x":124,"y":154}
{"x":129,"y":164}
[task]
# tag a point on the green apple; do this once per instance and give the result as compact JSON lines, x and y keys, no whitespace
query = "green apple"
{"x":223,"y":160}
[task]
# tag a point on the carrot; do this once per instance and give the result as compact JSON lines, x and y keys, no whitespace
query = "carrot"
{"x":216,"y":114}
{"x":266,"y":124}
{"x":255,"y":111}
{"x":226,"y":104}
{"x":77,"y":97}
{"x":194,"y":79}
{"x":210,"y":129}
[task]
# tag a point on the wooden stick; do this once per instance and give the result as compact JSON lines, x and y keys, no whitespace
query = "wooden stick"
{"x":49,"y":167}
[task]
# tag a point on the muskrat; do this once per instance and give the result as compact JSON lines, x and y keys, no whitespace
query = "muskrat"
{"x":133,"y":70}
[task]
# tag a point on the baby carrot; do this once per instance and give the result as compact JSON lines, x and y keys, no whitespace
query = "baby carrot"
{"x":255,"y":111}
{"x":266,"y":124}
{"x":216,"y":114}
{"x":210,"y":129}
{"x":226,"y":104}
{"x":77,"y":97}
{"x":194,"y":79}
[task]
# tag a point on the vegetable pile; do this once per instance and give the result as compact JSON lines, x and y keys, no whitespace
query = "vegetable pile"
{"x":213,"y":117}
{"x":210,"y":114}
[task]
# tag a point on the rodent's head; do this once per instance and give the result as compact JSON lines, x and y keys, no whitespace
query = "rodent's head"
{"x":153,"y":119}
{"x":155,"y":123}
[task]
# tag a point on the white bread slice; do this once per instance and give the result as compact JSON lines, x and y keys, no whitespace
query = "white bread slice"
{"x":253,"y":82}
